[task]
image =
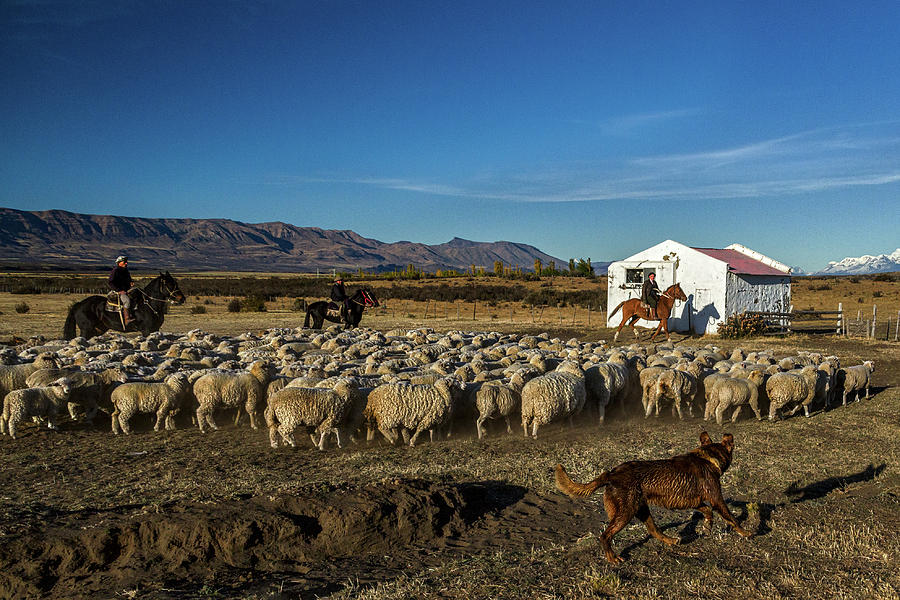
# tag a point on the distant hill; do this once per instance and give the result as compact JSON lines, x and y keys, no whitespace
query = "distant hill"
{"x":57,"y":238}
{"x":864,"y":265}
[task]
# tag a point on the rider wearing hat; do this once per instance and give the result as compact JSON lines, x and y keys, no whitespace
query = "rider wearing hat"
{"x":339,"y":295}
{"x":120,"y":281}
{"x":650,"y":294}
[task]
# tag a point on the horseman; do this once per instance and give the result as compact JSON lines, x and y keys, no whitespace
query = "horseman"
{"x":339,"y":295}
{"x":120,"y":282}
{"x":650,"y":294}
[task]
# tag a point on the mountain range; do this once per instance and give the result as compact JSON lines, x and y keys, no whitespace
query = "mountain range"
{"x":57,"y":238}
{"x":864,"y":265}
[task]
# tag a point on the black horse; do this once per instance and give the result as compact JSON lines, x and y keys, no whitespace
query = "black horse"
{"x":320,"y":311}
{"x":148,"y":305}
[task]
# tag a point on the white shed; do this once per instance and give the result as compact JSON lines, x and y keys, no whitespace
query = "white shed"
{"x":717,"y":282}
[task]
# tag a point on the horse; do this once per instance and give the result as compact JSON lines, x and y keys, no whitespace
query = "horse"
{"x":318,"y":312}
{"x":632,"y":310}
{"x":148,"y":306}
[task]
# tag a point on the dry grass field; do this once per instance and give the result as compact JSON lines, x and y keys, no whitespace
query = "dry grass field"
{"x":85,"y":514}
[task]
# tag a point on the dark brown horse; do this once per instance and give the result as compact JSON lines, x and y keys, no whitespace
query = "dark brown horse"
{"x":632,"y":310}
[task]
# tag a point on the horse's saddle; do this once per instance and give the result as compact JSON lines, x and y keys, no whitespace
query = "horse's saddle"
{"x":114,"y":303}
{"x":335,"y":311}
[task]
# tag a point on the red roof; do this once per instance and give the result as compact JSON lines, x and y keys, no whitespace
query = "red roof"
{"x":741,"y":263}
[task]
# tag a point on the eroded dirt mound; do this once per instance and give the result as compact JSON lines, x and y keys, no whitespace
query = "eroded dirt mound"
{"x":87,"y":552}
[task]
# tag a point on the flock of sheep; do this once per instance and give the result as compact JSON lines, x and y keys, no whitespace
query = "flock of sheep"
{"x":401,"y":383}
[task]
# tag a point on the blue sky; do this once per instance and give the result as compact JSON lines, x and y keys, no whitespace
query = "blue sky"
{"x":588,"y":129}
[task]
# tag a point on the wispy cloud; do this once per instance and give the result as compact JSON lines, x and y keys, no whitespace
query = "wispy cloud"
{"x":811,"y":161}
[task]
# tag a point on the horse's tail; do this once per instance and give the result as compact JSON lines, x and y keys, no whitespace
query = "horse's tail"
{"x":69,"y":327}
{"x":615,"y":310}
{"x":306,"y":320}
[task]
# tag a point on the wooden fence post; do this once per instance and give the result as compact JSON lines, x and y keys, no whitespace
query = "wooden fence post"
{"x":589,"y":316}
{"x":474,"y":302}
{"x":427,"y":304}
{"x":574,"y":312}
{"x":874,"y":314}
{"x":840,"y":320}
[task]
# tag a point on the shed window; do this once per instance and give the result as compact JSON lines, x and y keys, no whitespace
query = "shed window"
{"x":634,"y":276}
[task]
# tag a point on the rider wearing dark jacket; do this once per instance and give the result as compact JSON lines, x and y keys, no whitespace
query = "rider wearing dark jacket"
{"x":120,"y":281}
{"x":339,"y":295}
{"x":650,"y":293}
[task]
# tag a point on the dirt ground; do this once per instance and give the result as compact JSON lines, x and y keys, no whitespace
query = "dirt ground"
{"x":85,"y":514}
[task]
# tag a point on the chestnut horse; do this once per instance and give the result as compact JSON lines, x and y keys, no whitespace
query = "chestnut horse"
{"x":632,"y":311}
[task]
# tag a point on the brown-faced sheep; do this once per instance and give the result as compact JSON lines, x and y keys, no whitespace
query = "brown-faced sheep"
{"x":232,"y":390}
{"x":42,"y":402}
{"x":164,"y":399}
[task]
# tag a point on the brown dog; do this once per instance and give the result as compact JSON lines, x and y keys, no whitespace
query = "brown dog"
{"x":686,"y":481}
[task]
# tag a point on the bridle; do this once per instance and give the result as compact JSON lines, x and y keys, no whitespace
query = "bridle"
{"x":366,"y":300}
{"x":170,"y":297}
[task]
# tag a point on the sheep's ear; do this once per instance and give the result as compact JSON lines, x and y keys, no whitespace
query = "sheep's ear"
{"x":704,"y":439}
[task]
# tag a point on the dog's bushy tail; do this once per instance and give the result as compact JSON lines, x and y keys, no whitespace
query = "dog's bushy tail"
{"x":574,"y":489}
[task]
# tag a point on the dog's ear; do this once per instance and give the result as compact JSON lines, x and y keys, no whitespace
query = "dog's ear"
{"x":704,"y":439}
{"x":728,"y":440}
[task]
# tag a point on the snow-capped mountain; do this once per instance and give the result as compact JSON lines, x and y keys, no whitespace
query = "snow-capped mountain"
{"x":864,"y":265}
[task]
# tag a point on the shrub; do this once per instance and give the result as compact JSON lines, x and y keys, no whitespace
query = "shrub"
{"x":299,"y":305}
{"x":742,"y":325}
{"x":253,"y":304}
{"x":234,"y":305}
{"x":198,"y":310}
{"x":877,"y":294}
{"x":22,"y":308}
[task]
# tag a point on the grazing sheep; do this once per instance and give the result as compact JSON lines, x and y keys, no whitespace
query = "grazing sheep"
{"x":557,"y":395}
{"x":798,"y":387}
{"x":42,"y":402}
{"x":410,"y":407}
{"x":227,"y":390}
{"x":13,"y":377}
{"x":735,"y":392}
{"x":855,"y":379}
{"x":321,"y":408}
{"x":165,"y":399}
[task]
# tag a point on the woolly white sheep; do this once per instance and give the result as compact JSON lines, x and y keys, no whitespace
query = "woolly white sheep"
{"x":557,"y":395}
{"x":735,"y":392}
{"x":799,"y":387}
{"x":496,"y":399}
{"x":42,"y":402}
{"x":605,"y":383}
{"x":90,"y":391}
{"x":227,"y":390}
{"x":677,"y":385}
{"x":165,"y":399}
{"x":13,"y":377}
{"x":855,"y":379}
{"x":413,"y":408}
{"x":320,"y":408}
